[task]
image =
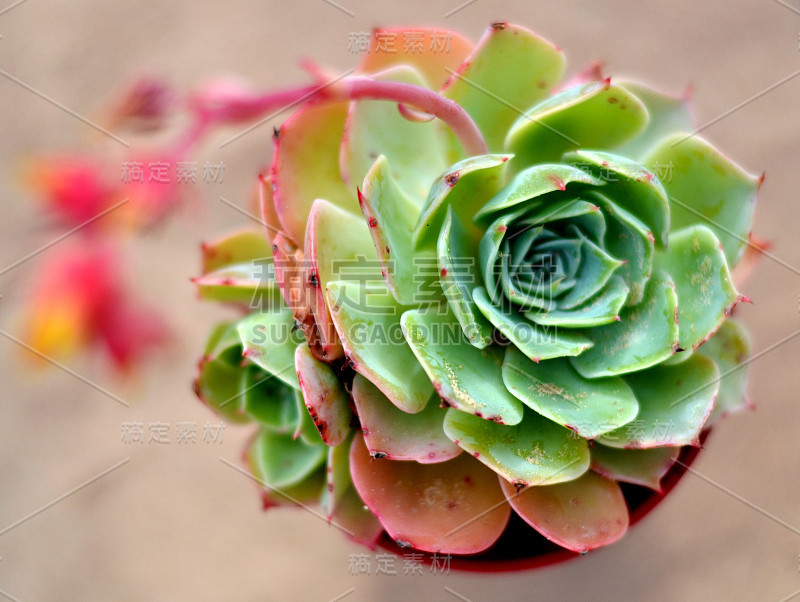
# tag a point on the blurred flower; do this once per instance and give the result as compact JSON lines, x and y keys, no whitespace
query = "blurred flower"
{"x":80,"y":301}
{"x":142,"y":105}
{"x":74,"y":188}
{"x":77,"y":189}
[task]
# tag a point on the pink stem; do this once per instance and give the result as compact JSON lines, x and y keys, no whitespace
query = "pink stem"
{"x":421,"y":98}
{"x":230,"y":108}
{"x":227,"y":107}
{"x":233,"y":109}
{"x":413,"y":114}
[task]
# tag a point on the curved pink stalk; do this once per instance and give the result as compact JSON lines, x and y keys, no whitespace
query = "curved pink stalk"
{"x":450,"y":112}
{"x":226,"y":105}
{"x":413,"y":115}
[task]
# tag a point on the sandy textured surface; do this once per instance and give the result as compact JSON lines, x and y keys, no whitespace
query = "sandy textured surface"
{"x":174,"y":522}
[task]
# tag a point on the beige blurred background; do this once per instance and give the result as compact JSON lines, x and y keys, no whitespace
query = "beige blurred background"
{"x":174,"y":522}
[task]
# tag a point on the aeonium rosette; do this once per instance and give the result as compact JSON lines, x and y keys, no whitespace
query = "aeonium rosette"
{"x":450,"y":326}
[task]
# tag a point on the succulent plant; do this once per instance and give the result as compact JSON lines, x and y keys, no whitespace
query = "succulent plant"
{"x":521,"y":307}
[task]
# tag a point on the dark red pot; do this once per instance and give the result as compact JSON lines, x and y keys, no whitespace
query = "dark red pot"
{"x":522,"y":548}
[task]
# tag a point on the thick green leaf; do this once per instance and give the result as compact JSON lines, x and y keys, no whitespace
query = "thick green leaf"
{"x":668,"y":114}
{"x":510,"y":70}
{"x":396,"y":435}
{"x":224,"y":341}
{"x":290,"y":272}
{"x":537,"y":342}
{"x":597,"y":115}
{"x":218,"y":382}
{"x":465,"y":377}
{"x":268,"y":400}
{"x":674,"y":404}
{"x":705,"y":187}
{"x":340,"y":501}
{"x":352,"y":515}
{"x":644,"y":467}
{"x":705,"y":290}
{"x":490,"y":253}
{"x":241,"y":246}
{"x":532,"y":183}
{"x":325,"y":398}
{"x":562,"y":209}
{"x":466,"y":187}
{"x":453,"y":507}
{"x":375,"y":127}
{"x":281,"y":461}
{"x":603,"y":308}
{"x":458,"y":277}
{"x":645,"y":335}
{"x":368,"y":322}
{"x":512,"y":256}
{"x":218,"y":386}
{"x":631,"y":186}
{"x":580,"y":515}
{"x":730,"y":349}
{"x":391,"y":215}
{"x":337,"y":477}
{"x":305,"y":429}
{"x":341,"y":245}
{"x":305,"y":165}
{"x":269,"y":341}
{"x":306,"y":492}
{"x":595,"y":270}
{"x":252,"y":283}
{"x":536,"y":451}
{"x":338,"y":246}
{"x":555,"y":390}
{"x":629,"y":239}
